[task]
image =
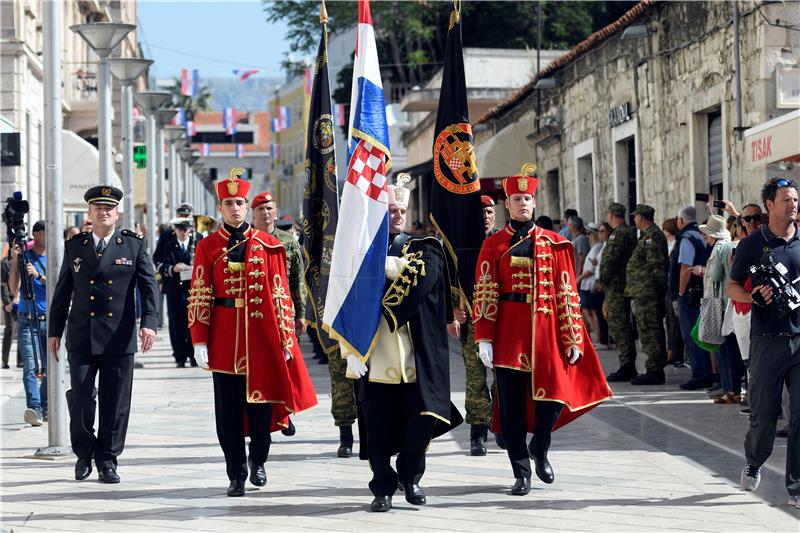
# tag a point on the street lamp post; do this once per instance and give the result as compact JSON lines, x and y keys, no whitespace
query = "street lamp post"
{"x":150,"y":102}
{"x":103,"y":38}
{"x":127,"y":71}
{"x":163,"y":119}
{"x":173,"y":134}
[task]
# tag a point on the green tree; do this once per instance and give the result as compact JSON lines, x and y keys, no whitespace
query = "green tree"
{"x":191,"y":104}
{"x":411,"y":35}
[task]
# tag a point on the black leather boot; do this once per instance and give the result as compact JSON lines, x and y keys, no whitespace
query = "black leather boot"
{"x":477,"y":437}
{"x":546,"y":416}
{"x":345,"y":442}
{"x":522,"y":486}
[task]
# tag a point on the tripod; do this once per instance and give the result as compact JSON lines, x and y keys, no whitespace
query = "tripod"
{"x":29,"y":297}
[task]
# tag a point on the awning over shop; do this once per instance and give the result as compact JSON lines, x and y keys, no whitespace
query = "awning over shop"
{"x":775,"y":140}
{"x":81,"y":164}
{"x":504,"y":154}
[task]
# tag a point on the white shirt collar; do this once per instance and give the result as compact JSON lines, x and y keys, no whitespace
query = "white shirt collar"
{"x":104,"y":239}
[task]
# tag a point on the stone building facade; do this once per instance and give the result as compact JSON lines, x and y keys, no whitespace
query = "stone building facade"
{"x":645,"y":110}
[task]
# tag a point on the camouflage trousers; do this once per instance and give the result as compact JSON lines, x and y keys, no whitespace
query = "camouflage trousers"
{"x":477,"y":402}
{"x":343,"y":400}
{"x":650,"y":314}
{"x":618,"y":309}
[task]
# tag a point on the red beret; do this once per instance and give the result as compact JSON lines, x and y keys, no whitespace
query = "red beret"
{"x":486,"y":201}
{"x":262,"y":198}
{"x":232,"y":186}
{"x":525,"y":182}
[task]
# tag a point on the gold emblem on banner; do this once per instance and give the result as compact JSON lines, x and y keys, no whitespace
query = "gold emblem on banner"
{"x":454,"y":162}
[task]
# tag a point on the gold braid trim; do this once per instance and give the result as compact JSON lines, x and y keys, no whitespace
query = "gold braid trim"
{"x":200,"y":299}
{"x":485,"y":295}
{"x":571,"y":327}
{"x":406,"y":280}
{"x":284,"y":312}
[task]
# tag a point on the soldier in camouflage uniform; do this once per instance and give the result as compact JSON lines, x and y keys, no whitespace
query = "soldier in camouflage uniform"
{"x":265,"y":213}
{"x":616,"y":254}
{"x":647,"y":285}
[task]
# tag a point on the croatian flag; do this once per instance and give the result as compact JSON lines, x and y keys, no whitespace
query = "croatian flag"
{"x":239,"y":151}
{"x":229,"y":120}
{"x":191,"y":128}
{"x":244,"y":74}
{"x":206,"y":151}
{"x":190,"y":85}
{"x":355,"y":289}
{"x":285,"y":112}
{"x":276,"y":125}
{"x":180,"y":117}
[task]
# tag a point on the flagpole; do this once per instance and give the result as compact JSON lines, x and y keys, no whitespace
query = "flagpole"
{"x":323,"y":17}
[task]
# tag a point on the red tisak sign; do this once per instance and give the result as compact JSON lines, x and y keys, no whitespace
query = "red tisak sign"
{"x":775,"y":140}
{"x":760,"y":148}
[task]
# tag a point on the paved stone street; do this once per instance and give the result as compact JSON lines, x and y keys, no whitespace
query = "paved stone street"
{"x":652,"y":459}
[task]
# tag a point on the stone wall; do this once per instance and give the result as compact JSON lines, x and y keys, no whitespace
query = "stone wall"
{"x":671,"y":80}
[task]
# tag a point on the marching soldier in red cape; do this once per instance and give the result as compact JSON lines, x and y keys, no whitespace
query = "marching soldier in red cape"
{"x":528,"y":327}
{"x":242,"y":323}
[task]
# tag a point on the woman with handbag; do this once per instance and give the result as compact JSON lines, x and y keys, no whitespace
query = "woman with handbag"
{"x":716,"y":274}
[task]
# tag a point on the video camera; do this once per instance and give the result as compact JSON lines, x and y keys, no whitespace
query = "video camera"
{"x":785,"y":297}
{"x":14,"y":218}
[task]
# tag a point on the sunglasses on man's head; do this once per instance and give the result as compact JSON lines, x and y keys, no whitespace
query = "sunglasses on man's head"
{"x":783,"y":182}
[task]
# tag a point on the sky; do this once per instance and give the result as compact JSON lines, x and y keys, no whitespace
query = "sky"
{"x":215,"y":37}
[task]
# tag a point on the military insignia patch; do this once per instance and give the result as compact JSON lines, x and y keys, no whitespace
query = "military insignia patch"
{"x":106,"y":191}
{"x":76,"y":264}
{"x":454,"y":162}
{"x":323,"y":134}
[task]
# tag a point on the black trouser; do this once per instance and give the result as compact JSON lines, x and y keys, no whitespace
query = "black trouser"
{"x":179,"y":336}
{"x":230,"y":406}
{"x":774,"y":363}
{"x":514,"y":391}
{"x":114,"y":396}
{"x":394,"y":424}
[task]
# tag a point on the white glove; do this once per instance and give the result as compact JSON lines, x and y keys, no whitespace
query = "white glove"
{"x":485,"y":353}
{"x":201,"y":355}
{"x":355,"y":366}
{"x":572,"y":355}
{"x":394,"y":265}
{"x":287,"y":354}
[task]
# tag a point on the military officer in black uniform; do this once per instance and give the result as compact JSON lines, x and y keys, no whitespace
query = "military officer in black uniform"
{"x":176,"y":274}
{"x":99,"y":275}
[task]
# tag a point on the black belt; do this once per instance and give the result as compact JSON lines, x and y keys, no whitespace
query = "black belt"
{"x":229,"y":302}
{"x":517,"y":297}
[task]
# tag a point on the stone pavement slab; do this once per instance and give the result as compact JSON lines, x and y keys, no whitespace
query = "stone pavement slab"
{"x":653,"y":459}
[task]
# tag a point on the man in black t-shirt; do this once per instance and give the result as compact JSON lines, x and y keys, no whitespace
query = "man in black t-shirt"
{"x":775,"y":340}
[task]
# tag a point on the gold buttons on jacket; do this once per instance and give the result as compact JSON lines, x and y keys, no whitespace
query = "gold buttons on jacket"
{"x":110,"y":298}
{"x":109,"y":282}
{"x":91,"y":297}
{"x":91,"y":314}
{"x":110,"y":315}
{"x":91,"y":282}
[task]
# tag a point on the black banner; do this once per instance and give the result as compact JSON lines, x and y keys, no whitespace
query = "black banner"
{"x":321,"y":202}
{"x":455,"y":207}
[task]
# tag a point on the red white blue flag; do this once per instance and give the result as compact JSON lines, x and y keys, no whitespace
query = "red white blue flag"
{"x":356,"y":283}
{"x":229,"y":120}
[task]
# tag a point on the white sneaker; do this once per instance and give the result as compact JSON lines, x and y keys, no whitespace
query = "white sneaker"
{"x":794,"y":501}
{"x":751,"y":477}
{"x":32,"y":417}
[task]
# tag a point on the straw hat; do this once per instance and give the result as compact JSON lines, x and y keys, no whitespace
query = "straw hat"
{"x":715,"y":227}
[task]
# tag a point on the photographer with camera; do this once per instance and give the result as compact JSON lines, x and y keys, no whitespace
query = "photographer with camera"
{"x":771,"y":256}
{"x":31,"y":316}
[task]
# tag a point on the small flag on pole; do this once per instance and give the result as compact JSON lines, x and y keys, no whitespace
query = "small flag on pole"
{"x":184,"y":82}
{"x":206,"y":151}
{"x":195,"y":86}
{"x":229,"y":120}
{"x":191,"y":128}
{"x":239,"y":151}
{"x":244,"y":74}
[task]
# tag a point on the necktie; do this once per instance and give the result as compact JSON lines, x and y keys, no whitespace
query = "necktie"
{"x":101,"y":246}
